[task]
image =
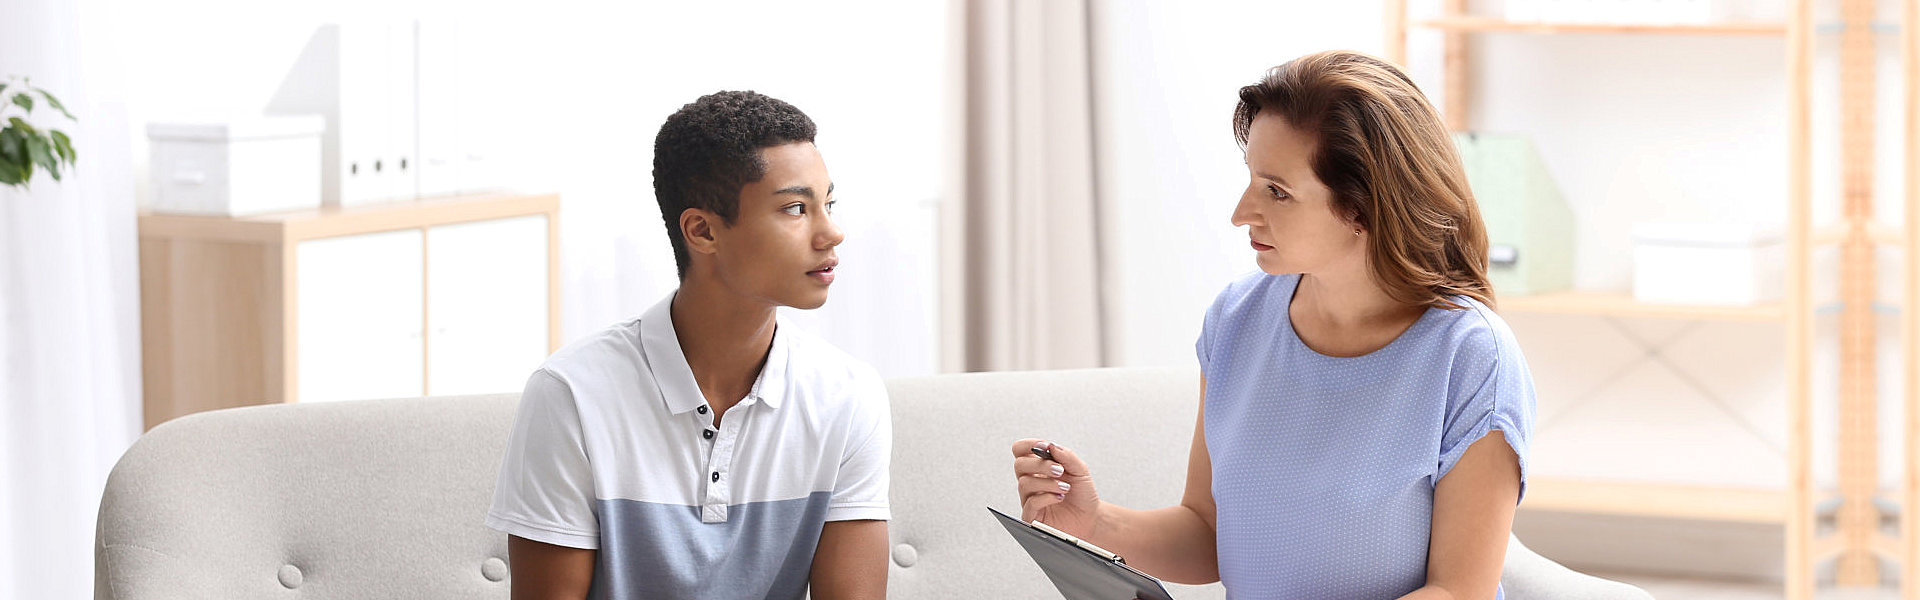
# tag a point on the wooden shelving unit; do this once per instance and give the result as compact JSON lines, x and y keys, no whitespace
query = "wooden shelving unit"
{"x":1623,"y":305}
{"x":1908,"y":547}
{"x":1478,"y":25}
{"x":1702,"y":503}
{"x":1792,"y":506}
{"x":220,"y":296}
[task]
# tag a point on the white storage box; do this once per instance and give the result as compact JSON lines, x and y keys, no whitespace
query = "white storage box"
{"x":1706,"y":264}
{"x":236,"y":167}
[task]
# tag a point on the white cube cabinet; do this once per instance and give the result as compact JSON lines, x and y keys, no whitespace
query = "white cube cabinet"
{"x":445,"y":296}
{"x":359,"y":318}
{"x":486,"y":305}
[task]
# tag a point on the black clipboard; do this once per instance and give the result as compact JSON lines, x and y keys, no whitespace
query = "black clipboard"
{"x":1081,"y":571}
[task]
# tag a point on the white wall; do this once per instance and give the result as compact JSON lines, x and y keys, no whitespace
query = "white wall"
{"x":1167,"y":77}
{"x":580,"y":88}
{"x":69,"y":308}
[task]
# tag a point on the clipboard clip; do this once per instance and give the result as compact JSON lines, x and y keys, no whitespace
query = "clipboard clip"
{"x":1098,"y":551}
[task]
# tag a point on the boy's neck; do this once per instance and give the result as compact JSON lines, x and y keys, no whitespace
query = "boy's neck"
{"x":725,"y":338}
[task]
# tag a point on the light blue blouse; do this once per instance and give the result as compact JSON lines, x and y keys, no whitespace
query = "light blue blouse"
{"x":1324,"y":467}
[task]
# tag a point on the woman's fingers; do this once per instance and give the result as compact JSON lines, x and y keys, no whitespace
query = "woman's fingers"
{"x":1066,"y":458}
{"x":1032,"y":504}
{"x":1040,"y":474}
{"x":1034,"y":466}
{"x":1025,"y":447}
{"x":1038,"y":485}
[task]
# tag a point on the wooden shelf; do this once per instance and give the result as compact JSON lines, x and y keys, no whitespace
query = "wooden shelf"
{"x":1482,"y":24}
{"x":1879,"y":234}
{"x":1612,"y":304}
{"x":311,"y":223}
{"x":1673,"y":501}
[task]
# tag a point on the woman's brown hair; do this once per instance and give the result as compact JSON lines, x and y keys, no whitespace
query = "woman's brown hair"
{"x":1382,"y":149}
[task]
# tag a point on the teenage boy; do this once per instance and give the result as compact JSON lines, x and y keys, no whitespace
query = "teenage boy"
{"x":707,"y":449}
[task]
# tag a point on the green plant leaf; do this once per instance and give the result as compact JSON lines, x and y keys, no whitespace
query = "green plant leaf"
{"x":63,"y":146}
{"x":24,"y":127}
{"x":55,"y":103}
{"x":42,"y":152}
{"x":13,"y":146}
{"x":24,"y":101}
{"x":14,"y":166}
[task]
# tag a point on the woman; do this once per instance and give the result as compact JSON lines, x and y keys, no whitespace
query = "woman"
{"x":1364,"y":414}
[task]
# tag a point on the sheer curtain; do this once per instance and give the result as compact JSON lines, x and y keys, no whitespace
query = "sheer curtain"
{"x":69,"y":294}
{"x":1024,"y":244}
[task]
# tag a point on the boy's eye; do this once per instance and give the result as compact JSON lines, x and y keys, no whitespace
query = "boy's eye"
{"x":830,"y":204}
{"x":795,"y":209}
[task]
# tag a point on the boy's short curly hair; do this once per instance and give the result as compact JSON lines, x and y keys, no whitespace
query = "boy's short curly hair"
{"x":708,"y":150}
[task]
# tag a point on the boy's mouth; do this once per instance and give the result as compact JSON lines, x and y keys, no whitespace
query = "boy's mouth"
{"x":824,"y":273}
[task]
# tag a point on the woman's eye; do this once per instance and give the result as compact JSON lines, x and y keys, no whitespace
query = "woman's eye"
{"x":795,"y":209}
{"x":1275,"y":192}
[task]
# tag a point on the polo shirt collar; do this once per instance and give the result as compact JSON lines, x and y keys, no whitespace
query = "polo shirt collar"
{"x":674,"y":376}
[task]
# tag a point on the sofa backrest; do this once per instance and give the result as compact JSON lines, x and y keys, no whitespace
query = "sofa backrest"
{"x":952,"y":458}
{"x":367,"y":499}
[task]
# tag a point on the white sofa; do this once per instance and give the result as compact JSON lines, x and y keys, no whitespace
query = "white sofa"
{"x":384,"y":498}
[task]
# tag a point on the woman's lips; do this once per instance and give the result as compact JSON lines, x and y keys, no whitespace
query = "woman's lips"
{"x":1259,"y":247}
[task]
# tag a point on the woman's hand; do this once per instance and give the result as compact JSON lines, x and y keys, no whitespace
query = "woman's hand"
{"x":1057,"y":492}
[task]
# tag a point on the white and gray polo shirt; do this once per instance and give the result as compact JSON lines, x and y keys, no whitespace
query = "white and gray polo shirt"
{"x":614,"y":448}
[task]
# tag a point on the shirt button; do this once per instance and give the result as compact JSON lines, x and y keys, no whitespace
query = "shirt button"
{"x":707,"y":434}
{"x":716,"y":476}
{"x":702,"y":409}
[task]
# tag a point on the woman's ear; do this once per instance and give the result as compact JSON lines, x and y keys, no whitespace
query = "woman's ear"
{"x":697,"y":228}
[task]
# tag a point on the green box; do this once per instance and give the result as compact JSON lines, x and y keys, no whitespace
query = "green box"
{"x":1529,"y":227}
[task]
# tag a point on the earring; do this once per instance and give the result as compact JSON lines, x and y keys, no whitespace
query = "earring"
{"x":1356,"y":231}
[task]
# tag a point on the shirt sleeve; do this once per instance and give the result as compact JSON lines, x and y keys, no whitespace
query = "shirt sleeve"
{"x":860,"y":489}
{"x":1503,"y":401}
{"x":1203,"y":347}
{"x":545,"y":490}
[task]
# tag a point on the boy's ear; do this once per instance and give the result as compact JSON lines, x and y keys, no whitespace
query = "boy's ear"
{"x":697,"y":228}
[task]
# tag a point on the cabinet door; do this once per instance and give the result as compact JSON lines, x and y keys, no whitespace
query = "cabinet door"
{"x":486,"y":305}
{"x":359,"y":317}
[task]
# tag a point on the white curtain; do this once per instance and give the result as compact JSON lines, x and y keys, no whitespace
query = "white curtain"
{"x":69,"y":293}
{"x":1025,"y":241}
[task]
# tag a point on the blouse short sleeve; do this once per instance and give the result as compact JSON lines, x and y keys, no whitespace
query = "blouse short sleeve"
{"x":1502,"y":400}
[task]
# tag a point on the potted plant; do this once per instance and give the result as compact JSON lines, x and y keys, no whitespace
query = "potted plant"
{"x":23,"y":147}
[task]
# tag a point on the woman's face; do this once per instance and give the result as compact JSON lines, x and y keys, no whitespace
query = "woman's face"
{"x":1288,"y":213}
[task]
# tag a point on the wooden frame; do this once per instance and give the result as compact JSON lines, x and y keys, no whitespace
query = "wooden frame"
{"x":1858,"y":518}
{"x":1908,"y":548}
{"x":219,"y":295}
{"x":1792,"y":507}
